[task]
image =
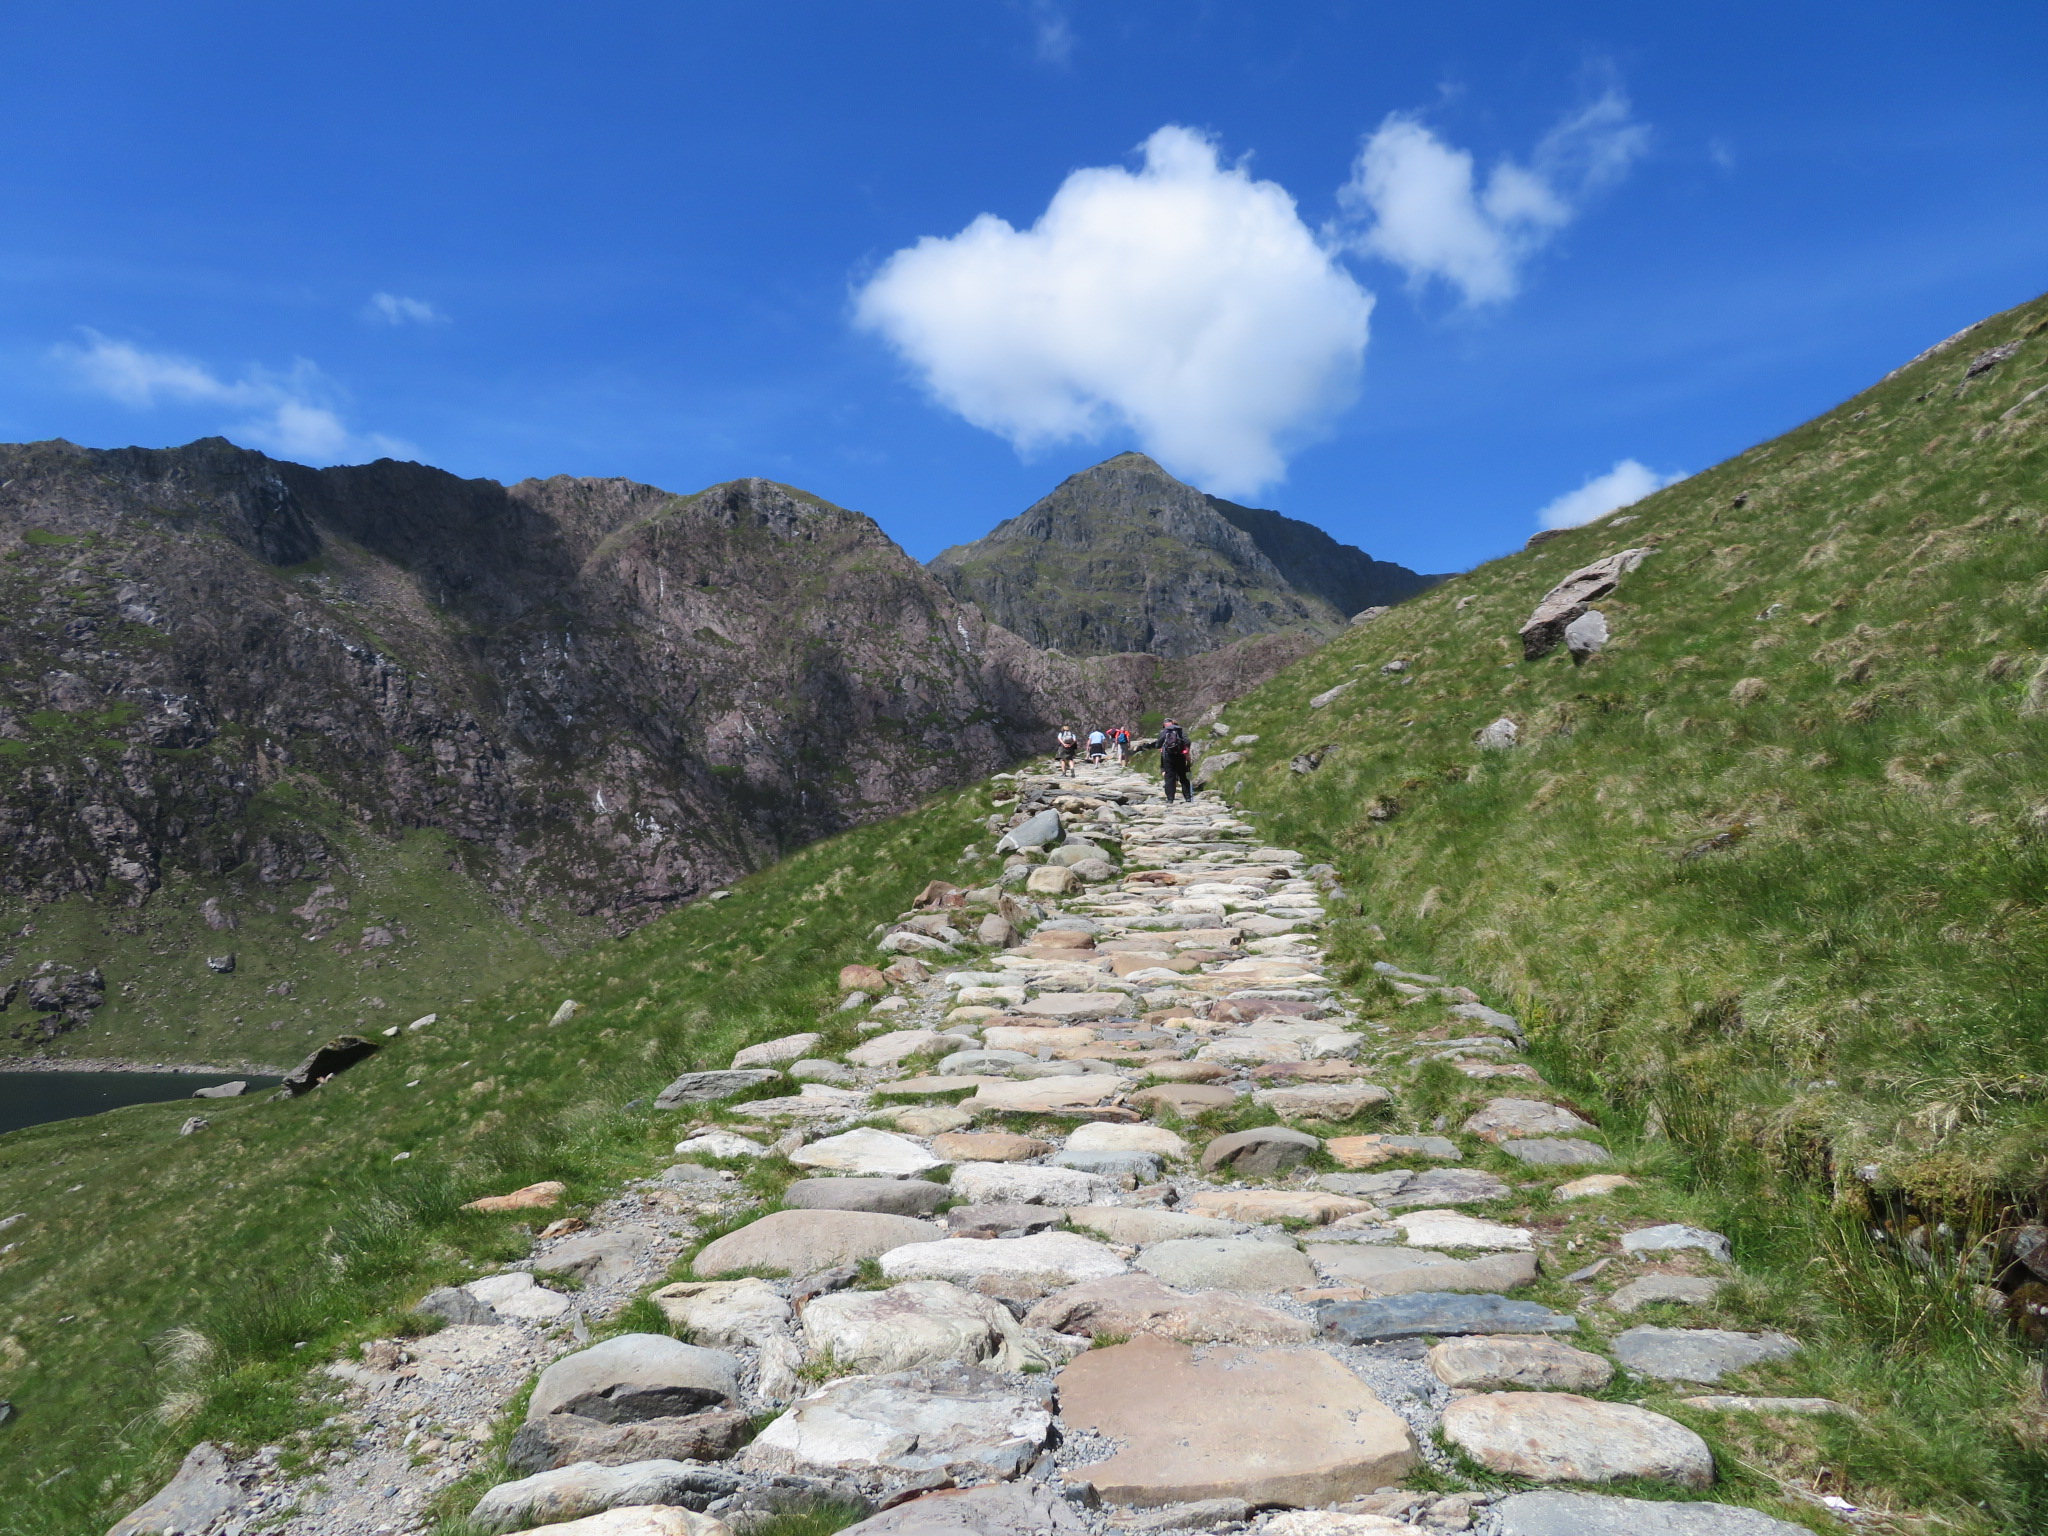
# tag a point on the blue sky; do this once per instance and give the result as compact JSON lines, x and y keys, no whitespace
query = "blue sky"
{"x":1413,"y":273}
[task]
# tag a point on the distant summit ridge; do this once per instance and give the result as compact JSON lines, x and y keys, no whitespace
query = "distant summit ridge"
{"x":1124,"y":557}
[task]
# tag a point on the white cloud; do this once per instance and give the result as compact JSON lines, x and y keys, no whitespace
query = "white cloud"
{"x":1052,"y":32}
{"x":1628,"y":482}
{"x":396,"y":309}
{"x":292,"y":414}
{"x":1425,"y":210}
{"x":1184,"y":303}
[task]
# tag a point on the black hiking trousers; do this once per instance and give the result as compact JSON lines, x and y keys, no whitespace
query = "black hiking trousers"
{"x":1176,"y":769}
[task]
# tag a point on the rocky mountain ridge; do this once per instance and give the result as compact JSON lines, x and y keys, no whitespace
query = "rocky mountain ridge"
{"x":235,"y":685}
{"x":1124,"y":557}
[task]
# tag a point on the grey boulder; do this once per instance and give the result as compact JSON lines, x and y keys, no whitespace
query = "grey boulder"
{"x":595,"y":1258}
{"x":890,"y":1197}
{"x":201,"y":1492}
{"x":703,"y":1087}
{"x":1555,"y":1152}
{"x":1697,"y":1354}
{"x":1439,"y":1314}
{"x":459,"y":1306}
{"x":569,"y":1493}
{"x":1266,"y":1149}
{"x":1036,"y":832}
{"x":561,"y":1439}
{"x":636,"y":1376}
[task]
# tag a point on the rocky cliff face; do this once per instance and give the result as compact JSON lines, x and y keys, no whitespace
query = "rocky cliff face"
{"x":224,"y":673}
{"x":1123,"y":557}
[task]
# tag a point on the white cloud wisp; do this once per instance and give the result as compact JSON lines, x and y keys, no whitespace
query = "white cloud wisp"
{"x":1183,"y":302}
{"x":294,"y":416}
{"x":1423,"y":208}
{"x":1624,"y":485}
{"x":396,"y":309}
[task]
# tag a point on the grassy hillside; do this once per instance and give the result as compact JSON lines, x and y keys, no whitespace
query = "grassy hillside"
{"x":1774,"y":864}
{"x":291,"y":1224}
{"x":388,"y":930}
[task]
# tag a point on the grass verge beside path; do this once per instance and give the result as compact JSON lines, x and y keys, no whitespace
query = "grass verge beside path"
{"x":165,"y":1289}
{"x":1766,"y":879}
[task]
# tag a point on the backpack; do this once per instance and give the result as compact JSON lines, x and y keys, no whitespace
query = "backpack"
{"x":1173,"y":740}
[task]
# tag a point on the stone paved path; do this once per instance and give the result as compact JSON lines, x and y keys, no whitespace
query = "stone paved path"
{"x":1196,"y":1259}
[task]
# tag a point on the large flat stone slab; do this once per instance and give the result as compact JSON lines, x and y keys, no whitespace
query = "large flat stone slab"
{"x":1045,"y":1094}
{"x":1440,"y":1314}
{"x":1080,"y":1005}
{"x":917,"y":1323}
{"x":563,"y":1439}
{"x":1322,"y":1101}
{"x":1228,"y":1264}
{"x":770,"y":1052}
{"x":1030,"y":1184}
{"x":869,"y":1152}
{"x":1683,"y":1290}
{"x":1553,"y":1366}
{"x":1266,"y":1426}
{"x":1676,"y":1237}
{"x":1402,"y":1188}
{"x":958,"y":1420}
{"x":1515,"y":1119}
{"x":203,"y":1489}
{"x":1558,"y":1437}
{"x":569,"y":1493}
{"x":1454,"y":1229}
{"x":1593,"y":1514}
{"x":1267,"y":1205}
{"x":1556,"y":1152}
{"x":1139,"y":1225}
{"x":1262,"y":1151}
{"x":1135,"y":1304}
{"x":891,"y":1197}
{"x":1698,"y":1354}
{"x":1370,"y":1151}
{"x":1046,"y":1259}
{"x":724,"y":1314}
{"x":798,"y":1242}
{"x":636,"y":1376}
{"x":1394,"y":1271}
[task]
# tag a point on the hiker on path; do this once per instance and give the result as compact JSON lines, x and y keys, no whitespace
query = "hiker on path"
{"x":1120,"y":740}
{"x":1069,"y":744}
{"x":1098,"y":743}
{"x":1173,"y":760}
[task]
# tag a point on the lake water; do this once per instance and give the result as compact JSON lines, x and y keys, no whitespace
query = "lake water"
{"x":31,"y":1098}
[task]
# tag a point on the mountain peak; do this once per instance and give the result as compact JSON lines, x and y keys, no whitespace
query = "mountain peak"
{"x":1122,"y":556}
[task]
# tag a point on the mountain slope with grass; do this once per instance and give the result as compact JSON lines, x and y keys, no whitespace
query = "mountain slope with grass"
{"x":1124,"y":557}
{"x":287,"y":1230}
{"x":1772,"y":866}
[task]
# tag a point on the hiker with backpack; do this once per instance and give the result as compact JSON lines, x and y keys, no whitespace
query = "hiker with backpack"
{"x":1098,"y":743}
{"x":1069,"y":744}
{"x":1173,"y":760}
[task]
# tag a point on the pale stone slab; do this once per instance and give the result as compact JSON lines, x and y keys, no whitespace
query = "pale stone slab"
{"x":1389,"y":1271}
{"x":799,"y":1242}
{"x":866,"y":1151}
{"x":1370,"y":1151}
{"x":1080,"y":1005}
{"x":1134,"y":1304}
{"x":1697,"y":1354}
{"x":1265,"y":1205}
{"x":1046,"y":1094}
{"x":1266,"y":1426}
{"x":1029,"y":1040}
{"x":935,"y":1420}
{"x":1675,"y":1237}
{"x":1594,"y":1184}
{"x":1030,"y":1184}
{"x":917,"y":1323}
{"x":1104,"y":1137}
{"x":1050,"y":1259}
{"x":725,"y":1314}
{"x":1322,"y":1101}
{"x":1507,"y":1361}
{"x":636,"y":1376}
{"x":1228,"y":1263}
{"x":1559,"y":1437}
{"x":896,"y":1046}
{"x":1454,"y":1229}
{"x":771,"y":1052}
{"x":1506,"y":1119}
{"x":1138,"y":1225}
